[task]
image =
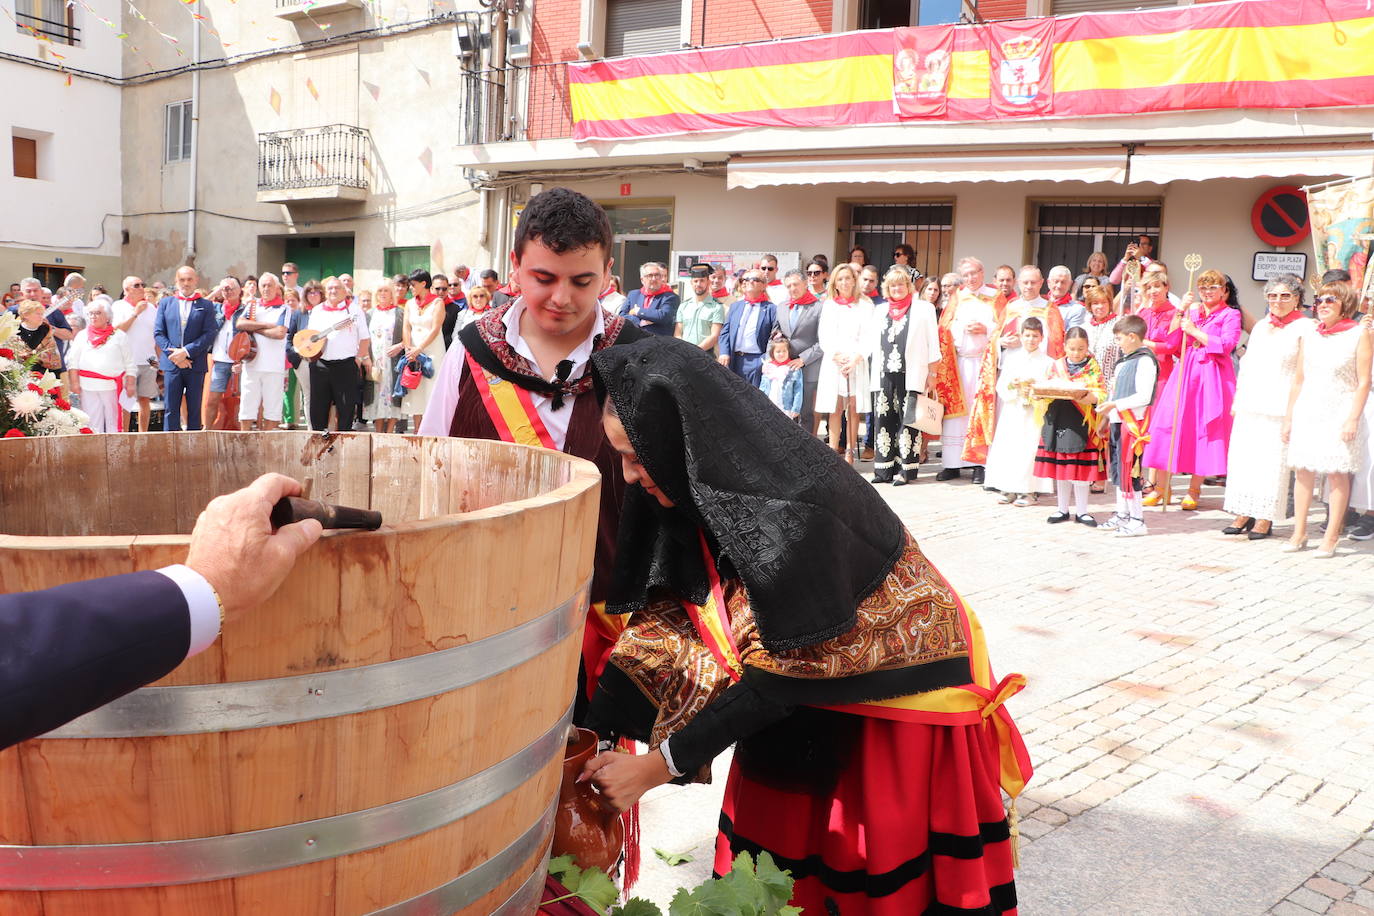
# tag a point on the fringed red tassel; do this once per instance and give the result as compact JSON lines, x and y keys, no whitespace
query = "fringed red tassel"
{"x":630,"y":820}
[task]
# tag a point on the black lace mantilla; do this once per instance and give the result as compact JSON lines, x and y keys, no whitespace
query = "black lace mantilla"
{"x":807,"y":535}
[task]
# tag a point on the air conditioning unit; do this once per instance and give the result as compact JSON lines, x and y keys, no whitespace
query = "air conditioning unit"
{"x":518,"y":54}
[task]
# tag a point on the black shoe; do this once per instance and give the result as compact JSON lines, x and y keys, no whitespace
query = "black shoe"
{"x":1239,"y":529}
{"x":947,"y":474}
{"x":977,"y":477}
{"x":1364,"y":529}
{"x":899,"y":481}
{"x":1261,"y":535}
{"x":1058,"y":517}
{"x":877,"y":479}
{"x":1086,"y":519}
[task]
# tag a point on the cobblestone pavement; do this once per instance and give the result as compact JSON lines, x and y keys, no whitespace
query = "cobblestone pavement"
{"x":1198,"y":710}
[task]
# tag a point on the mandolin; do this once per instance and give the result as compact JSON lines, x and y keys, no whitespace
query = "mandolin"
{"x":310,"y":344}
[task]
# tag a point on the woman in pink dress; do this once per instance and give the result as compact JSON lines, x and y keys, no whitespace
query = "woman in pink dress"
{"x":1195,"y":442}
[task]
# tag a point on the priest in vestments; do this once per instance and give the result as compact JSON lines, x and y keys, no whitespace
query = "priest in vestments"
{"x":983,"y":407}
{"x":966,"y":328}
{"x":521,"y":373}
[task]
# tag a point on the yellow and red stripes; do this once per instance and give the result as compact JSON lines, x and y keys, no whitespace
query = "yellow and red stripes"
{"x":511,"y":409}
{"x":1249,"y":54}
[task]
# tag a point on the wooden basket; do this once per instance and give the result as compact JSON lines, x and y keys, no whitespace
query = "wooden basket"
{"x":386,"y":734}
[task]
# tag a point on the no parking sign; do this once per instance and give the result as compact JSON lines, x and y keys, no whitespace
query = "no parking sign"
{"x":1280,"y":218}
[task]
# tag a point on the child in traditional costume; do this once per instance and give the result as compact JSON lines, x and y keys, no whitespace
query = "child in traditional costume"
{"x":780,"y":380}
{"x":1133,"y":391}
{"x":1070,"y":450}
{"x":780,"y":606}
{"x":1011,"y":457}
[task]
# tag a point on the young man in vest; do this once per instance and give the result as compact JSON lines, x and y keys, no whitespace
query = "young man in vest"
{"x":522,"y":372}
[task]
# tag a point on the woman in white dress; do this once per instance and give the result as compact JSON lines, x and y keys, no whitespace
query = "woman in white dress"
{"x":424,"y":319}
{"x":1325,"y":410}
{"x":843,"y":335}
{"x":1011,"y":456}
{"x":1257,"y":472}
{"x":382,"y":327}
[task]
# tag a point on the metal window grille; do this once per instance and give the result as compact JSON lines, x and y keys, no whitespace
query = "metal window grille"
{"x":178,"y":131}
{"x":492,"y":109}
{"x":313,"y":157}
{"x":1066,"y":233}
{"x":927,"y":227}
{"x":53,"y":20}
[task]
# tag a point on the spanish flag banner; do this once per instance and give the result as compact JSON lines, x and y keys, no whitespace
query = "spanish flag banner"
{"x":1247,"y":54}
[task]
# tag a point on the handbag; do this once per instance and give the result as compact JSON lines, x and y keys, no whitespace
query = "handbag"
{"x":924,"y":413}
{"x":410,"y":375}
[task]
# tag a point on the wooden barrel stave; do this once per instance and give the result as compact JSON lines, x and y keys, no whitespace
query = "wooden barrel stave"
{"x":552,"y":530}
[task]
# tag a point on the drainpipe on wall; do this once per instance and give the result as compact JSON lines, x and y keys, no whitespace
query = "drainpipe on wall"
{"x":195,"y":138}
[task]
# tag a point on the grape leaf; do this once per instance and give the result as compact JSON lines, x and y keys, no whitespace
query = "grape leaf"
{"x":673,"y":858}
{"x":776,"y":882}
{"x":597,"y":889}
{"x":562,"y":867}
{"x":638,"y":906}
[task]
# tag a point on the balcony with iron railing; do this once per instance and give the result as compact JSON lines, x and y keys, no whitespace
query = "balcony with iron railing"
{"x":527,"y":102}
{"x":63,"y":32}
{"x":301,"y":9}
{"x":314,"y":165}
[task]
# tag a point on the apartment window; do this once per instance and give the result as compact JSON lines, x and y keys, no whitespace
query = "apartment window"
{"x":1066,"y":233}
{"x":178,"y":123}
{"x":52,"y":20}
{"x":52,"y":275}
{"x":888,"y":14}
{"x":25,"y":157}
{"x":928,"y":227}
{"x":643,"y":26}
{"x":404,"y":260}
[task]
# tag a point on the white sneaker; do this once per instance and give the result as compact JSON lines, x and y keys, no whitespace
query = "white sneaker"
{"x":1132,"y":528}
{"x":1115,"y":521}
{"x":1005,"y":499}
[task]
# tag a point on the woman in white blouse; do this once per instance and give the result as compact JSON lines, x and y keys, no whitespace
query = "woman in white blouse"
{"x":844,"y":338}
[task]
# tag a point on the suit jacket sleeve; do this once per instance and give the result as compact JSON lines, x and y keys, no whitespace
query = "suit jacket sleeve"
{"x":164,"y":343}
{"x":70,"y":649}
{"x":294,"y":325}
{"x":726,"y":343}
{"x":663,"y":311}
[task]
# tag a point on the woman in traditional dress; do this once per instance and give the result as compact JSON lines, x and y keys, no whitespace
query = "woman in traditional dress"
{"x":384,"y":327}
{"x":1101,"y":330}
{"x":781,"y":607}
{"x":905,"y":355}
{"x":843,"y":335}
{"x":1325,"y":411}
{"x":1195,"y":442}
{"x":1257,"y":472}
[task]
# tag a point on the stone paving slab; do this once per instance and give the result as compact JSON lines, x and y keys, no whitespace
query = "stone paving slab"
{"x":1198,"y":710}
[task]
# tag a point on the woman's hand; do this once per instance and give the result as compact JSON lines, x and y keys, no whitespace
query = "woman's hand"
{"x":623,"y":778}
{"x":1188,"y":300}
{"x":395,"y":349}
{"x":1176,"y":323}
{"x":412,"y":353}
{"x":1349,"y":429}
{"x":1287,"y":428}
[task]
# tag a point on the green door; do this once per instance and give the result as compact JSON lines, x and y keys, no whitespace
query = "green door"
{"x":321,"y":257}
{"x":404,"y":260}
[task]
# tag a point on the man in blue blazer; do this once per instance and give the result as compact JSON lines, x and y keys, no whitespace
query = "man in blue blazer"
{"x":184,"y":330}
{"x":653,"y":307}
{"x":67,"y":650}
{"x":744,"y":339}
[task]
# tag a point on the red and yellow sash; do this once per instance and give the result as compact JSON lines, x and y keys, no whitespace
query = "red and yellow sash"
{"x":981,"y":700}
{"x":510,"y":408}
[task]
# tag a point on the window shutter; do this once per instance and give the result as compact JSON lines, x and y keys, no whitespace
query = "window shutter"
{"x":173,"y":133}
{"x":25,"y":157}
{"x":643,"y":26}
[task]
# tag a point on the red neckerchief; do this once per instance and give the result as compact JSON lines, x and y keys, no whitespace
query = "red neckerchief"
{"x":762,"y":298}
{"x":271,"y":303}
{"x":1068,"y":297}
{"x":777,"y":362}
{"x":66,"y":309}
{"x":384,"y":308}
{"x":806,"y":299}
{"x":186,"y":299}
{"x":775,"y":282}
{"x":421,"y":304}
{"x":650,"y":294}
{"x":505,"y":288}
{"x":98,"y":336}
{"x":1286,"y":320}
{"x":452,"y":299}
{"x":1098,"y":322}
{"x":476,"y":311}
{"x":720,"y":293}
{"x":334,"y":308}
{"x":605,"y":293}
{"x":229,"y":311}
{"x":1161,"y":309}
{"x":897,"y":308}
{"x":1344,"y":324}
{"x":841,"y":300}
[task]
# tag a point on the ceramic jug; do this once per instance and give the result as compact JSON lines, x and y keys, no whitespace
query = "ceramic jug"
{"x":585,"y":825}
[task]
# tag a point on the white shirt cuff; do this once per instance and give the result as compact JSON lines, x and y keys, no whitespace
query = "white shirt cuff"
{"x":668,"y":758}
{"x":202,"y":603}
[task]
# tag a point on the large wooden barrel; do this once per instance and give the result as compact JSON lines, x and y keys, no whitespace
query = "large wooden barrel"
{"x":385,"y":735}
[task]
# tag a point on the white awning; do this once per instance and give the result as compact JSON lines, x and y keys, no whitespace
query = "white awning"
{"x":1162,"y":165}
{"x":1109,"y":166}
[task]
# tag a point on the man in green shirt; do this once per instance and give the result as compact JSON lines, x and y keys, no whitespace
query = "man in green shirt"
{"x":700,"y":316}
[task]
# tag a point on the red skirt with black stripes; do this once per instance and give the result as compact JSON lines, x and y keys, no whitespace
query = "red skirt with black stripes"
{"x":913,"y":825}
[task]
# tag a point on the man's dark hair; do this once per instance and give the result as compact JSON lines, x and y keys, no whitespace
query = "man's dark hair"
{"x":422,"y":275}
{"x":1336,"y":275}
{"x":822,"y":260}
{"x":399,"y":278}
{"x":563,"y":220}
{"x":1033,"y":324}
{"x":436,"y":278}
{"x":1132,"y":324}
{"x":488,"y":274}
